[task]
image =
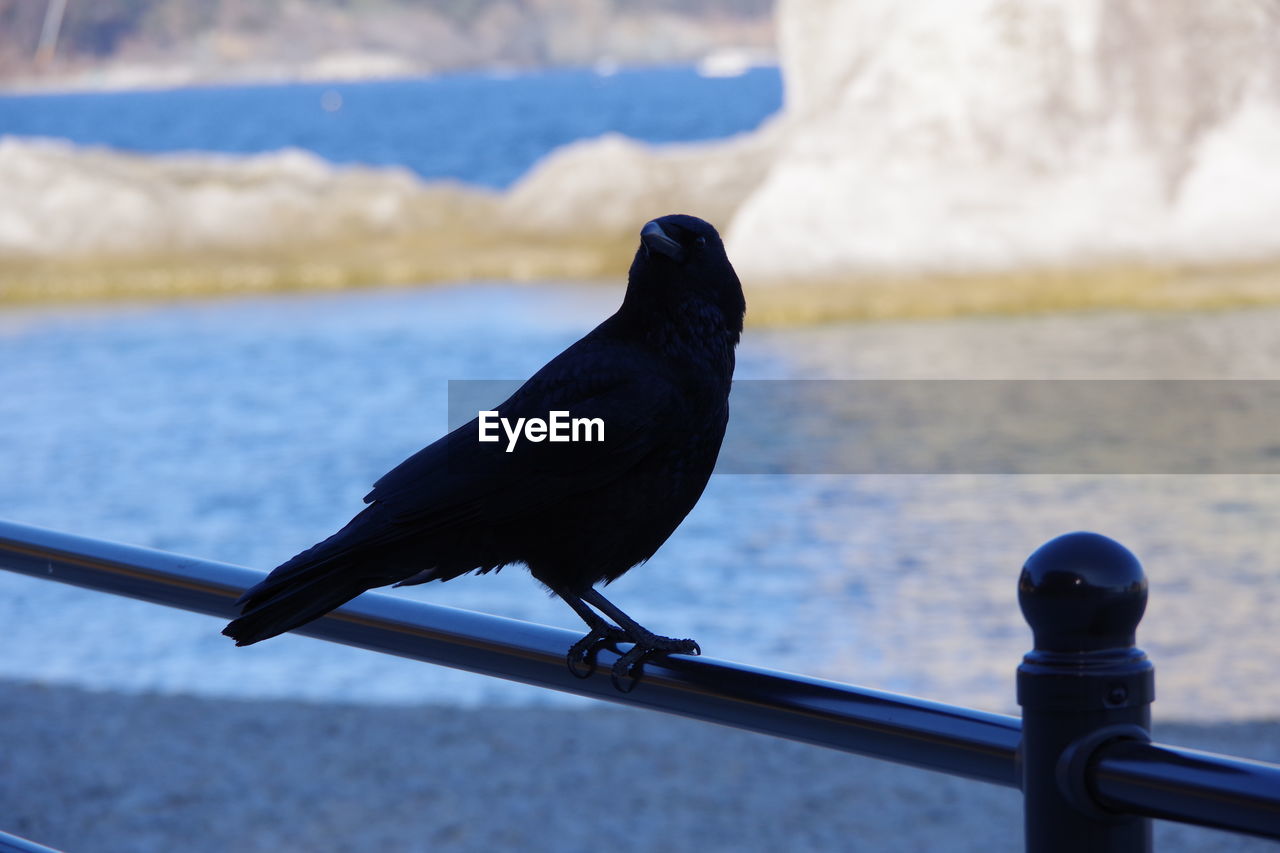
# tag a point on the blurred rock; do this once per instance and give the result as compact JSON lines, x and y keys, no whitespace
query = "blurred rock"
{"x":62,"y":200}
{"x":611,"y":184}
{"x":983,"y":135}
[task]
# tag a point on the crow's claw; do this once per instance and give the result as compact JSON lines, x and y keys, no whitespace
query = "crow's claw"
{"x":626,"y":673}
{"x":582,"y":654}
{"x":628,"y":668}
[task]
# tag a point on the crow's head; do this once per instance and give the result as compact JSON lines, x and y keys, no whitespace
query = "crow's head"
{"x":682,"y":258}
{"x":681,"y":239}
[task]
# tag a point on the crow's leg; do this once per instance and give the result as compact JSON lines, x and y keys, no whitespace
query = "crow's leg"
{"x":627,"y":669}
{"x":582,"y":654}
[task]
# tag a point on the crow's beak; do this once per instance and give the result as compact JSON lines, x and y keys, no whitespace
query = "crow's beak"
{"x":656,"y":240}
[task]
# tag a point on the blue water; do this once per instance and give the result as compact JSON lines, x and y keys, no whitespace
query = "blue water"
{"x":247,"y":429}
{"x":474,"y":127}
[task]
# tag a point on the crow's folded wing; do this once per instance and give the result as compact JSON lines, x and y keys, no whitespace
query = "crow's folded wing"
{"x":461,"y":480}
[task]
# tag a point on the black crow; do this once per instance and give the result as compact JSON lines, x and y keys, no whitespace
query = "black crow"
{"x":656,"y":374}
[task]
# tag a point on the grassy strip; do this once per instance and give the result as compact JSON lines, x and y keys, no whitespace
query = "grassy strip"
{"x":430,"y":258}
{"x":467,"y":254}
{"x":1029,"y":292}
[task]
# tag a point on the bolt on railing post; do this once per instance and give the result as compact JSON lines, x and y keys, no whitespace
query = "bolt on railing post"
{"x":1084,"y":684}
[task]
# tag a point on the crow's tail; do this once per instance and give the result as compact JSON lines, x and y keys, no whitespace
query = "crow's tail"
{"x":295,"y":594}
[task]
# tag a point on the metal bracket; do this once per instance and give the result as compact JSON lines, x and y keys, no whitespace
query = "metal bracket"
{"x":1073,"y":767}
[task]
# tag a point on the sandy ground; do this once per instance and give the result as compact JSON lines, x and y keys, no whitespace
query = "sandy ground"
{"x":108,"y":772}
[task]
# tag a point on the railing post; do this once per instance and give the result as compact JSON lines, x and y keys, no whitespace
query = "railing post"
{"x":1084,"y":684}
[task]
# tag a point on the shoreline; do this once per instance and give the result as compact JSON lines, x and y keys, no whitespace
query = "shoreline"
{"x":529,"y":262}
{"x":139,"y":78}
{"x":87,"y":771}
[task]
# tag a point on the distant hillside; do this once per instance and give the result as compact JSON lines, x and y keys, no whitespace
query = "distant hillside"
{"x":202,"y":40}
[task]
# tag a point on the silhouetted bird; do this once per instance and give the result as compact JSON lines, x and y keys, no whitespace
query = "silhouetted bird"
{"x":656,"y":373}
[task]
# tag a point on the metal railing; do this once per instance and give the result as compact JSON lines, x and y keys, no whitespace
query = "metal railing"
{"x":14,"y":844}
{"x":1081,"y":753}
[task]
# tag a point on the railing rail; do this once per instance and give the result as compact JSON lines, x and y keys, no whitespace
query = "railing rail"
{"x":1124,"y":775}
{"x":14,"y":844}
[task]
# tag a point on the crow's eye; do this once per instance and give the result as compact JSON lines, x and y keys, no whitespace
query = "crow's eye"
{"x":701,"y":241}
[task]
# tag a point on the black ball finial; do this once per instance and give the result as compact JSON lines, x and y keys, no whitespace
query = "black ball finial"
{"x":1082,"y":592}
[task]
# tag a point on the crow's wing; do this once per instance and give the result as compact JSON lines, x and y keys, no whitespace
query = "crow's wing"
{"x":458,"y":479}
